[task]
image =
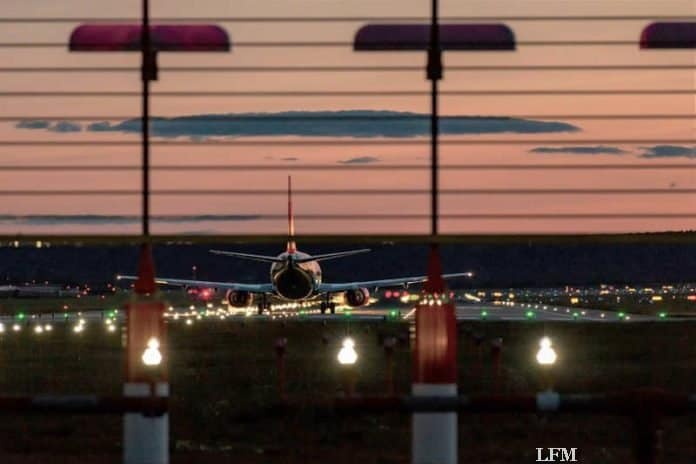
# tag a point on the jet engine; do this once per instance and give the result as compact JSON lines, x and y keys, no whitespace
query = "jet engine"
{"x":357,"y":297}
{"x":201,"y":293}
{"x":239,"y":299}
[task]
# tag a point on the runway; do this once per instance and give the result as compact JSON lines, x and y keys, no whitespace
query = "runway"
{"x":464,"y":312}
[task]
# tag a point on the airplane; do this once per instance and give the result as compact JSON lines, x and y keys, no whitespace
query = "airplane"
{"x":295,"y":277}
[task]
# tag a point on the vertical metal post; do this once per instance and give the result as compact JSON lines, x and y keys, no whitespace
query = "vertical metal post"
{"x":145,"y":439}
{"x":434,"y":74}
{"x":434,"y":436}
{"x":146,"y":74}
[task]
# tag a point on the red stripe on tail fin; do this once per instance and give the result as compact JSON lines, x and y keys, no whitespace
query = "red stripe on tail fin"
{"x":292,"y":248}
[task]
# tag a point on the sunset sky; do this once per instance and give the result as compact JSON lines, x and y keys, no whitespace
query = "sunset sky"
{"x":16,"y":215}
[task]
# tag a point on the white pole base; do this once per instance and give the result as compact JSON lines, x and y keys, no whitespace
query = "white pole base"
{"x":434,"y":438}
{"x":145,"y":439}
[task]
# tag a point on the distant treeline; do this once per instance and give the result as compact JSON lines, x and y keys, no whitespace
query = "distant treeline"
{"x":494,"y":265}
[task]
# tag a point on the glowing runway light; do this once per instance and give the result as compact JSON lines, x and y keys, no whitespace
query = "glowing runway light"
{"x":48,"y":328}
{"x":2,"y":327}
{"x":189,"y":322}
{"x":111,"y":328}
{"x":546,"y":355}
{"x":78,"y":328}
{"x":151,"y":355}
{"x":16,"y":327}
{"x":662,"y":315}
{"x":38,"y":329}
{"x":347,"y":355}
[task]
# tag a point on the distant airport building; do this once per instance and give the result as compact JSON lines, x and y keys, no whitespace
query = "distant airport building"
{"x":37,"y":291}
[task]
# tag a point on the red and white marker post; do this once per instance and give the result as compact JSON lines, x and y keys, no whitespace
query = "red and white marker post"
{"x":435,"y":369}
{"x":434,"y":435}
{"x":146,"y":439}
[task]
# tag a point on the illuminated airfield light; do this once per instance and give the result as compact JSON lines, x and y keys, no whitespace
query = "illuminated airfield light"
{"x":189,"y":322}
{"x":78,"y":328}
{"x":111,"y":328}
{"x":546,"y":355}
{"x":16,"y":327}
{"x":347,"y":355}
{"x":2,"y":327}
{"x":38,"y":329}
{"x":48,"y":328}
{"x":151,"y":355}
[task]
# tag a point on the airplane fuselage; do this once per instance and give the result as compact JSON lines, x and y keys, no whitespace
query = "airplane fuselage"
{"x":295,"y":281}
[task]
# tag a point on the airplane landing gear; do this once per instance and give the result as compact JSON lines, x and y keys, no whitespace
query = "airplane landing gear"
{"x":262,"y":306}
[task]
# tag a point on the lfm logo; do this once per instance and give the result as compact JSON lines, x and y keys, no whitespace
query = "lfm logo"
{"x":556,"y":455}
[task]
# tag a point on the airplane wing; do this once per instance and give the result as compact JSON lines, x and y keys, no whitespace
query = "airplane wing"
{"x":397,"y":282}
{"x":253,"y":288}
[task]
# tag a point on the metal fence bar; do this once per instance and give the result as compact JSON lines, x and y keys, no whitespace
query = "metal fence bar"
{"x":82,"y":404}
{"x":354,"y":167}
{"x":348,"y":93}
{"x":309,"y":19}
{"x":361,"y":192}
{"x":340,"y":142}
{"x":356,"y":117}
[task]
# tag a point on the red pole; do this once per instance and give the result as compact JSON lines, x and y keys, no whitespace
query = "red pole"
{"x":435,"y":369}
{"x":146,"y":439}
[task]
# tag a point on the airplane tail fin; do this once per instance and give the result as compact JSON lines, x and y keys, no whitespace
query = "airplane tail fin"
{"x":339,"y":254}
{"x":291,"y":247}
